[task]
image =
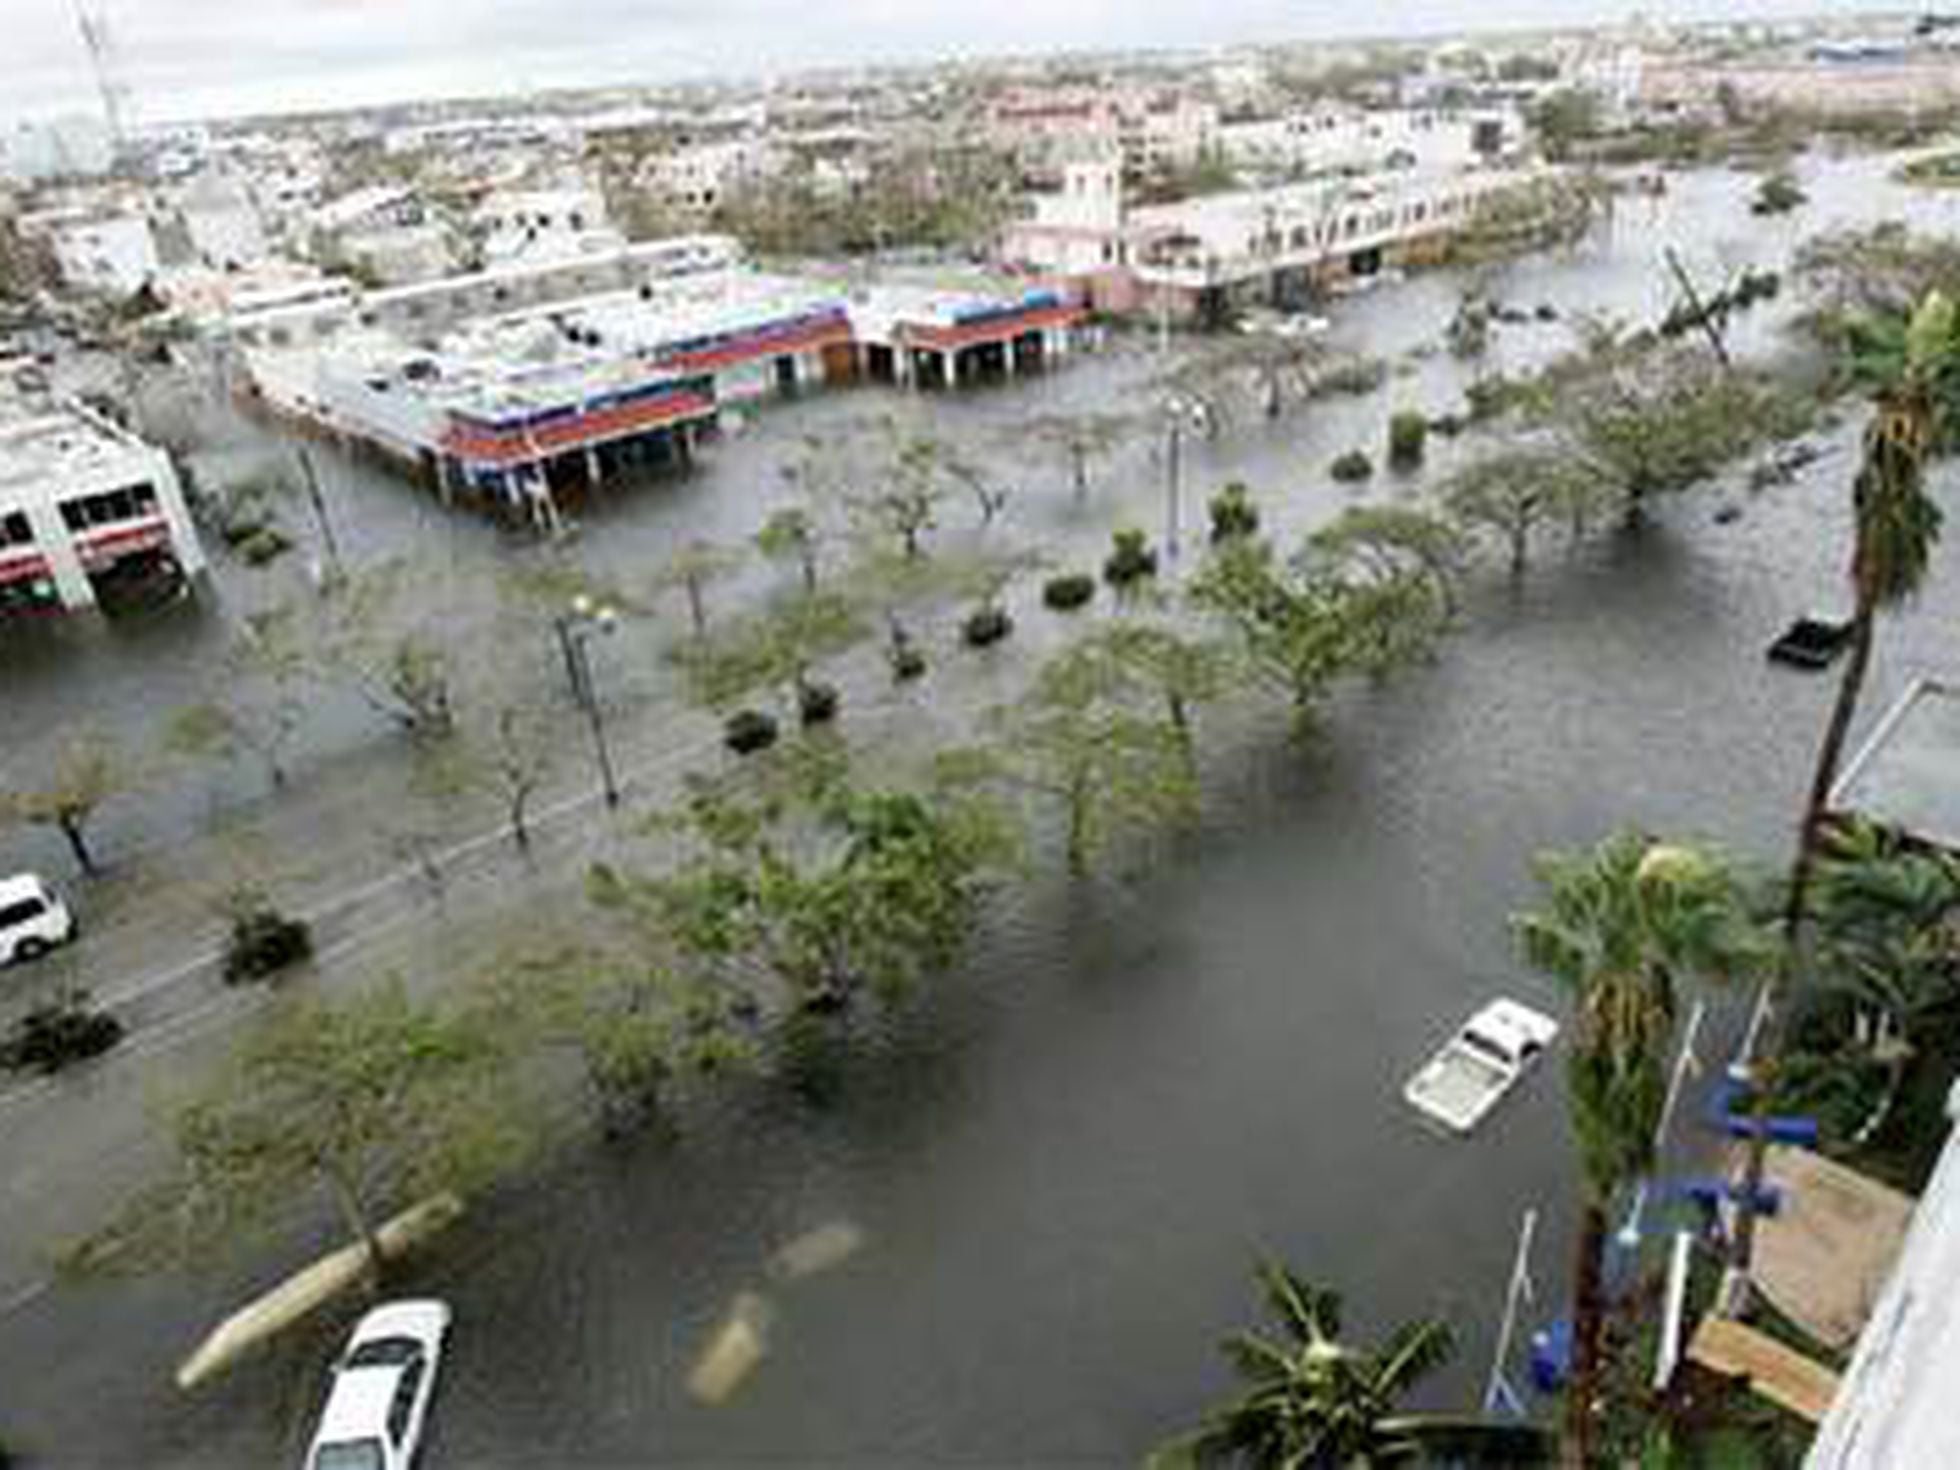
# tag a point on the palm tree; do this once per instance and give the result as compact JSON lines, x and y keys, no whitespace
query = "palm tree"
{"x":1912,"y":367}
{"x":1624,"y":925}
{"x":1313,"y":1401}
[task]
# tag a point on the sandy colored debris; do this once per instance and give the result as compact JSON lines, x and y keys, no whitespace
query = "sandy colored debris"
{"x":1824,"y":1256}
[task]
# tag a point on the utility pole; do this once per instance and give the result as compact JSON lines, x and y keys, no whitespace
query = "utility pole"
{"x":1695,"y":305}
{"x":336,"y":572}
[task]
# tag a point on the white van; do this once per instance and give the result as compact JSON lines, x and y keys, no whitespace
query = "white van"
{"x":33,"y":919}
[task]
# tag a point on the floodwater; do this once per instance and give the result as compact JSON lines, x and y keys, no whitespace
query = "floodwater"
{"x":1057,"y":1169}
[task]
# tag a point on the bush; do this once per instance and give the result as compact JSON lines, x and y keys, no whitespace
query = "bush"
{"x":1778,"y":194}
{"x":749,"y":730}
{"x":1352,"y":466}
{"x":263,"y":941}
{"x":1233,"y":515}
{"x":985,"y":626}
{"x":1353,"y":378}
{"x":266,"y":544}
{"x":816,"y":703}
{"x":1130,"y":559}
{"x":1449,"y":425}
{"x":58,"y":1034}
{"x":907,"y":663}
{"x":1406,"y":432}
{"x":1068,"y":592}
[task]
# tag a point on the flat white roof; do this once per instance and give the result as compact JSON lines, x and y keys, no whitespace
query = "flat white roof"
{"x":68,"y":444}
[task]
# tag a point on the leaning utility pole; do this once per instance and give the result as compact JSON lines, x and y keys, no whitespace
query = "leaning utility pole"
{"x":1702,"y":318}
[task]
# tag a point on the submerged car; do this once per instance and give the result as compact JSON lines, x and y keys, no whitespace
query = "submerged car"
{"x":33,"y":919}
{"x":378,"y":1403}
{"x":1479,"y":1064}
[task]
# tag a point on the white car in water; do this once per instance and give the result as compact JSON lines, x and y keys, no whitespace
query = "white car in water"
{"x":33,"y":919}
{"x":378,"y":1403}
{"x":1479,"y":1064}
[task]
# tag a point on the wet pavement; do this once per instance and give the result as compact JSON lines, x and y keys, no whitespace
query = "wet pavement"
{"x":1065,"y":1158}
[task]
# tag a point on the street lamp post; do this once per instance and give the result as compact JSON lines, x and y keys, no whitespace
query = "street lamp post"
{"x":1180,"y":413}
{"x":575,"y":627}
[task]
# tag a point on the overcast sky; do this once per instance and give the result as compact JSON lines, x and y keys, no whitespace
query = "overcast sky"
{"x":183,"y":58}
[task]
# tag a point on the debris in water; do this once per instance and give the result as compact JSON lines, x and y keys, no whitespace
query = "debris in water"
{"x":816,"y":1250}
{"x":738,"y":1345}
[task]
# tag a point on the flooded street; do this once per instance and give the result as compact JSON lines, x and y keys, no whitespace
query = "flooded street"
{"x":1066,"y":1157}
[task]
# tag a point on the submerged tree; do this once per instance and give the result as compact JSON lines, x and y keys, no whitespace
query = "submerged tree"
{"x":1077,"y":739}
{"x":86,"y":772}
{"x":375,"y":1102}
{"x":260,"y":705}
{"x":692,"y":570}
{"x":1512,"y":494}
{"x":852,"y":890}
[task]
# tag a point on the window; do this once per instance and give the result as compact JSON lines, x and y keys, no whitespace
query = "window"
{"x":403,"y":1408}
{"x":24,"y":912}
{"x":109,"y":507}
{"x":14,"y":530}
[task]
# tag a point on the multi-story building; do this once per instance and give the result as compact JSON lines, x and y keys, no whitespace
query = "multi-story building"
{"x":1150,"y":134}
{"x":1353,"y":140}
{"x":1274,"y":246}
{"x":84,"y":504}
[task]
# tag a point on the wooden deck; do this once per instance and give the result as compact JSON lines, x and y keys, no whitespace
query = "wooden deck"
{"x":1780,"y":1374}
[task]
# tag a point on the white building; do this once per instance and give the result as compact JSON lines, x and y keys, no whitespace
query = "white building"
{"x":115,"y":253}
{"x":77,"y":145}
{"x":83,"y":502}
{"x":1352,"y":140}
{"x":1274,"y":246}
{"x":221,"y":222}
{"x":544,"y":224}
{"x":1895,"y":1405}
{"x":698,"y":178}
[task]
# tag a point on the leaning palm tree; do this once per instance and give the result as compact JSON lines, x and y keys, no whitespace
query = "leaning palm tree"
{"x":1623,"y":927}
{"x":1314,"y":1402}
{"x":1912,"y":367}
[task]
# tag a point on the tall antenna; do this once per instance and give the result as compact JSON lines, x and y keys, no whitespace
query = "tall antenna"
{"x":102,"y":58}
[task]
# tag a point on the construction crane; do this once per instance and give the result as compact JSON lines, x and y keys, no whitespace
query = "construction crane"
{"x":102,"y":60}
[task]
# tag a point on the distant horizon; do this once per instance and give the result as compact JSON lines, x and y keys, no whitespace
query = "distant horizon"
{"x":180,"y":61}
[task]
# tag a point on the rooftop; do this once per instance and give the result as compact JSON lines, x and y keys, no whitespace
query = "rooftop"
{"x":63,"y":445}
{"x":1907,"y":775}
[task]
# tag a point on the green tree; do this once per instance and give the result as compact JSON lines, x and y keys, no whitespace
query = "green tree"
{"x":874,"y":890}
{"x":1881,"y":908}
{"x":260,"y":706}
{"x":1648,"y":422}
{"x":1083,"y":438}
{"x":1510,"y":494}
{"x":905,"y":505}
{"x":1912,"y":368}
{"x":1564,"y":119}
{"x":1303,"y":624}
{"x":1385,"y":544}
{"x":1311,"y":1399}
{"x":639,"y":1026}
{"x":774,"y":648}
{"x":86,"y":772}
{"x":791,"y":534}
{"x":1623,"y":928}
{"x":1077,"y":740}
{"x":375,"y":1101}
{"x":692,"y":570}
{"x":1163,"y":665}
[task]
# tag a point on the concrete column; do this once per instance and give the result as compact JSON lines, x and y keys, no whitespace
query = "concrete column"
{"x":593,"y":469}
{"x":184,"y":542}
{"x":51,"y":539}
{"x":1012,"y":350}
